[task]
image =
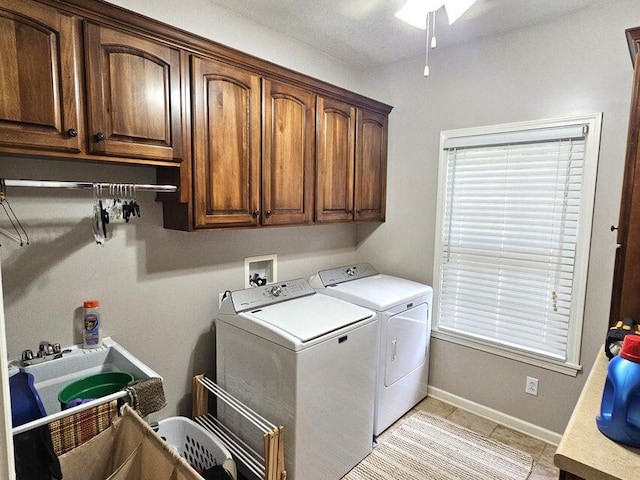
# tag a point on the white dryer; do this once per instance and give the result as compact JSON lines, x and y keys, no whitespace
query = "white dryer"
{"x":404,"y":323}
{"x":302,"y":360}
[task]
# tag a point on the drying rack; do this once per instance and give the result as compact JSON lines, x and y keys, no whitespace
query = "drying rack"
{"x":68,"y":412}
{"x":270,"y":465}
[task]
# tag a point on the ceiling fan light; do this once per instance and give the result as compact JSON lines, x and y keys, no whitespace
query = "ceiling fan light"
{"x":456,"y":8}
{"x":414,"y":12}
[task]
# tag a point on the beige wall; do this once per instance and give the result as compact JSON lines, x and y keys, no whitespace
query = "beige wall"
{"x":574,"y":64}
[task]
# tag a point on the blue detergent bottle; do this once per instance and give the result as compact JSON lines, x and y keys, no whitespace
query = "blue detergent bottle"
{"x":619,"y":417}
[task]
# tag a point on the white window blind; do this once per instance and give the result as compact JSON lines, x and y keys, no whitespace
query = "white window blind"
{"x":509,"y":237}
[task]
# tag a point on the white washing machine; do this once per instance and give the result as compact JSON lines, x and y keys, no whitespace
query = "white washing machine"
{"x":302,"y":360}
{"x":404,"y":322}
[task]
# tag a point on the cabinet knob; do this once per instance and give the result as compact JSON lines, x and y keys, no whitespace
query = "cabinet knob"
{"x":613,"y":228}
{"x":99,"y":137}
{"x":255,"y":213}
{"x":350,"y":212}
{"x":72,"y":132}
{"x":267,"y":213}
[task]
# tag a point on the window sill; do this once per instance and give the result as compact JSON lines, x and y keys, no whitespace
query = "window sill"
{"x":538,"y":361}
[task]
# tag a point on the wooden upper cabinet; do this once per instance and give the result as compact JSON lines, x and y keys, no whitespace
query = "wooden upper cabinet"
{"x":39,"y":103}
{"x":226,"y":144}
{"x":335,"y":160}
{"x":288,"y":154}
{"x":133,"y":96}
{"x":371,"y":166}
{"x":250,"y":143}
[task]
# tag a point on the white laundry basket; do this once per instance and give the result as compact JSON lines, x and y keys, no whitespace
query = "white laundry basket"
{"x":201,"y":448}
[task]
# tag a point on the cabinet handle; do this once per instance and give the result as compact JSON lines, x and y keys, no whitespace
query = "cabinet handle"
{"x":267,"y":213}
{"x":99,"y":137}
{"x":72,"y":132}
{"x":255,"y":213}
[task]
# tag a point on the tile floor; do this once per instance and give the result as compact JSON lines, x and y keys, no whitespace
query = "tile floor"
{"x":542,"y":453}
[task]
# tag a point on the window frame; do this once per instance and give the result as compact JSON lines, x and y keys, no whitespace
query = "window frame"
{"x":571,"y":365}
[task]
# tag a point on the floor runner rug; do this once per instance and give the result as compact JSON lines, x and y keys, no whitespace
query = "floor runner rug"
{"x":425,"y":447}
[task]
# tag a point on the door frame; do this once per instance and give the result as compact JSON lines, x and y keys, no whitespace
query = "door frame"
{"x":7,"y":464}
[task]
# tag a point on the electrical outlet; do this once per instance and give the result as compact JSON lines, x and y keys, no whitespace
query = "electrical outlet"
{"x":532,"y":386}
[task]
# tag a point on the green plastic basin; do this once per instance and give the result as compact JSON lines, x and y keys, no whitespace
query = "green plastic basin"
{"x":94,"y":386}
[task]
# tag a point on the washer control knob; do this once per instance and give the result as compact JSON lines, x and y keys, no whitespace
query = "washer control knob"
{"x":276,"y":290}
{"x":351,"y":271}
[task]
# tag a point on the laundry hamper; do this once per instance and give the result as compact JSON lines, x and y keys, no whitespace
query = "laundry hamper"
{"x":200,"y":448}
{"x":128,"y":450}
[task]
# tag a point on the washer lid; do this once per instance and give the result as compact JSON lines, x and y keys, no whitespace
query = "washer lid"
{"x":379,"y":292}
{"x":311,"y":317}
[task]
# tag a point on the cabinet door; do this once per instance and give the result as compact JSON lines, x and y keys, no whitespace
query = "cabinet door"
{"x":226,"y":143}
{"x":133,"y":96}
{"x":625,"y":301}
{"x":39,"y":105}
{"x":335,"y":161}
{"x":288,"y":151}
{"x":371,"y":166}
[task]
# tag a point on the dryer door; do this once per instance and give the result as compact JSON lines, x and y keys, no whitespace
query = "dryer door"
{"x":406,"y":342}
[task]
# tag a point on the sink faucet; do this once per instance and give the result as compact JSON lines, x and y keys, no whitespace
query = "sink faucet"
{"x":46,"y":351}
{"x":48,"y":348}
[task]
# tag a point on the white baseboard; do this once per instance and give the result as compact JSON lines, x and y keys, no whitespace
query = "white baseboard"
{"x":496,"y":416}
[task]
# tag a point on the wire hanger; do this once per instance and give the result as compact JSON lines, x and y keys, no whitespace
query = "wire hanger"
{"x":15,"y":223}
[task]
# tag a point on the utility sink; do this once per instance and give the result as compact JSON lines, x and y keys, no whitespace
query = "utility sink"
{"x":53,"y":375}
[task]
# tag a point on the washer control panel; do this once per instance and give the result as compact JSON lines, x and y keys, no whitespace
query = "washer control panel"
{"x":258,"y":297}
{"x":346,"y":274}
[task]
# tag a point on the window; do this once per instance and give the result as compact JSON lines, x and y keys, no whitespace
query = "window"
{"x":515,"y":204}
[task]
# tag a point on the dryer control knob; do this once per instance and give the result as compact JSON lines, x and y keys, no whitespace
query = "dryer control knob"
{"x":351,"y":271}
{"x":276,"y":290}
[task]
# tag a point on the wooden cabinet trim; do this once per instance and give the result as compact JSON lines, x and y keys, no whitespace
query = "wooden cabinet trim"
{"x":633,"y":41}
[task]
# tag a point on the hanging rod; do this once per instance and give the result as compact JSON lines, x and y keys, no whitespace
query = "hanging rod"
{"x":25,"y":427}
{"x":87,"y":185}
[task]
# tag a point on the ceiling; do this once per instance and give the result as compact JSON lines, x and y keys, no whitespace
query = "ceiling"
{"x":365,"y":33}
